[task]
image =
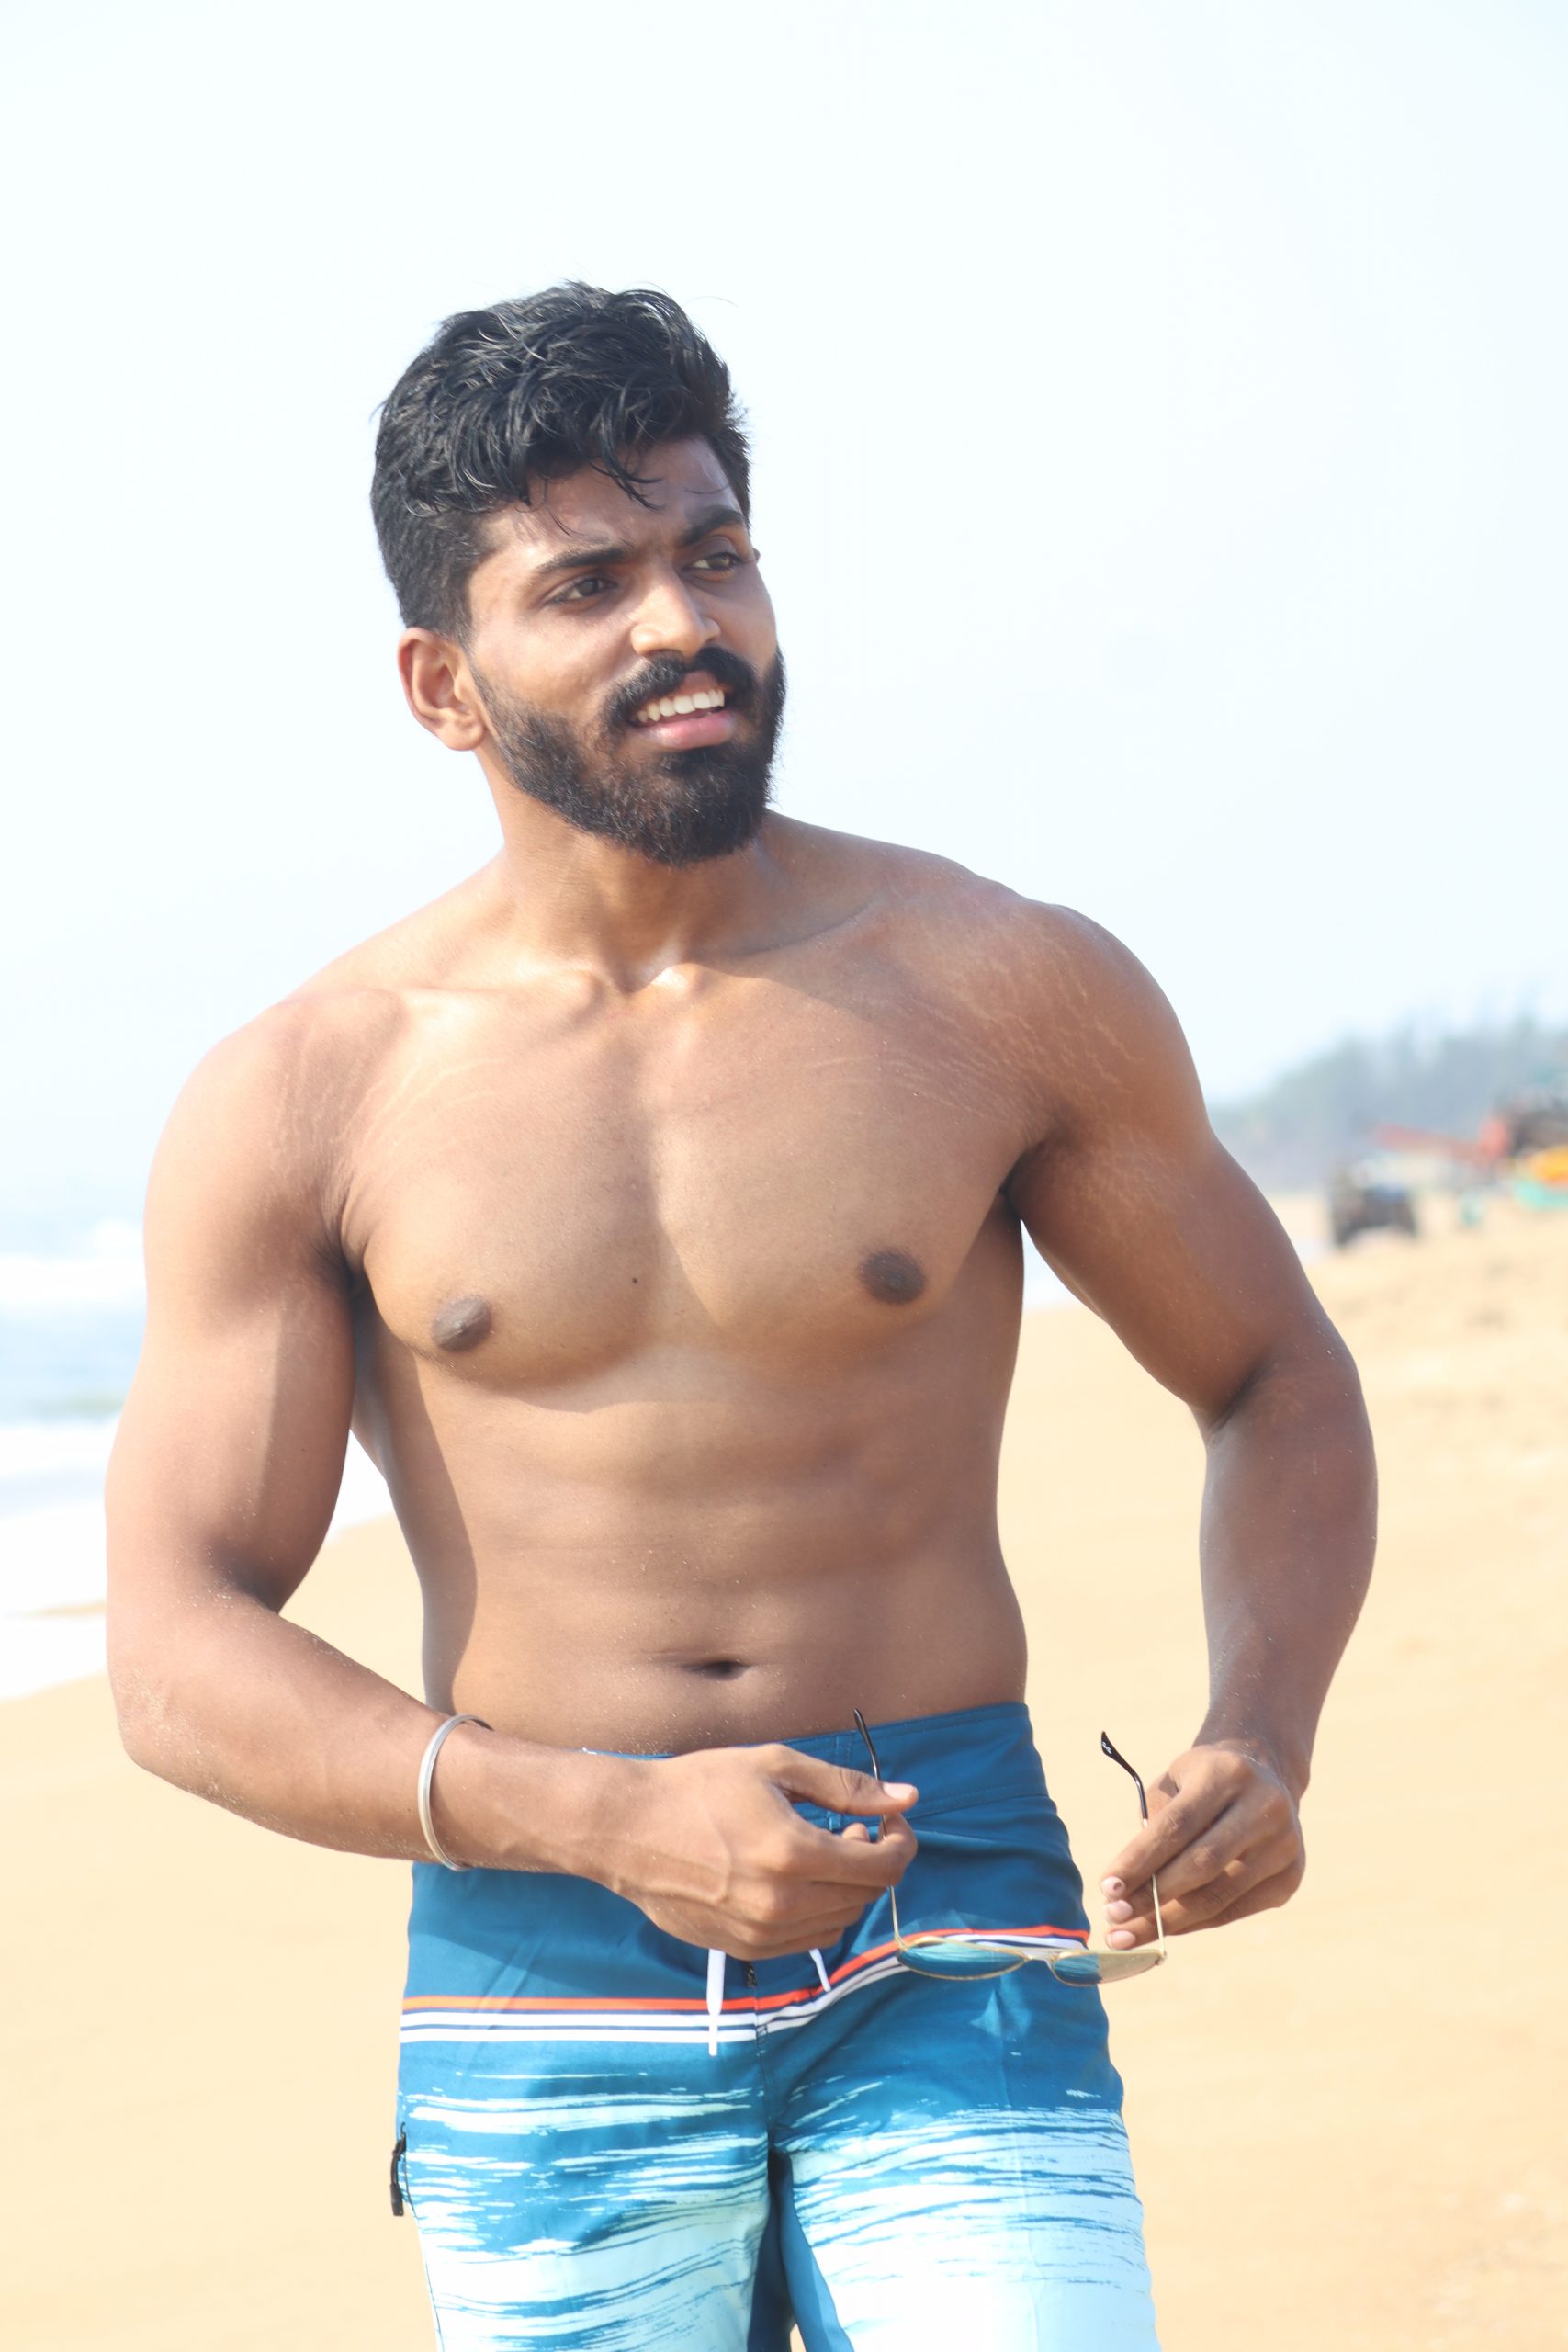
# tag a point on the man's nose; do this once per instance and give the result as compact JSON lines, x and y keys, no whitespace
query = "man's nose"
{"x":669,"y":620}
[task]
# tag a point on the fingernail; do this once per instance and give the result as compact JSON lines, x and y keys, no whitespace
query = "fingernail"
{"x":1112,"y":1886}
{"x":1118,"y":1910}
{"x":1121,"y":1939}
{"x":899,"y":1788}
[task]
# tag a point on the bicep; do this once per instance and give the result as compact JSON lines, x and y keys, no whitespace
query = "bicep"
{"x":229,"y":1452}
{"x":1136,"y":1205}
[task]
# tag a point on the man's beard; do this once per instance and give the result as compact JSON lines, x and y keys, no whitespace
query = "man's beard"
{"x":678,"y":809}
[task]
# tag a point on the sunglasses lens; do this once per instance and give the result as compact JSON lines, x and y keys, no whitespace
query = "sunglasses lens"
{"x":1101,"y":1967}
{"x":959,"y":1956}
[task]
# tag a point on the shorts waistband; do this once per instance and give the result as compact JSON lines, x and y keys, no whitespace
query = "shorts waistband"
{"x":952,"y":1759}
{"x":946,"y":1742}
{"x":946,"y":1755}
{"x":909,"y":1744}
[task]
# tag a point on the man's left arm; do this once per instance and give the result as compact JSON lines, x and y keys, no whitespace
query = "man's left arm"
{"x":1130,"y":1197}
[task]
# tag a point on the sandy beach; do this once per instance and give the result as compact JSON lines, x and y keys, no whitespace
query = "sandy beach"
{"x":1346,"y":2114}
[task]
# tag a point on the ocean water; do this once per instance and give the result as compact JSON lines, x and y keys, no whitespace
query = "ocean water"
{"x":70,"y":1329}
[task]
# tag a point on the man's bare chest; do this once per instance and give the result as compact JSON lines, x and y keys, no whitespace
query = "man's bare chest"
{"x":756,"y":1171}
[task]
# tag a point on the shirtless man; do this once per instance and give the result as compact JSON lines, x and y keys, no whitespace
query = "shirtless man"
{"x":649,"y":1206}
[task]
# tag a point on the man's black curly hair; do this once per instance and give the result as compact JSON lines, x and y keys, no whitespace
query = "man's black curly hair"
{"x":499,"y":401}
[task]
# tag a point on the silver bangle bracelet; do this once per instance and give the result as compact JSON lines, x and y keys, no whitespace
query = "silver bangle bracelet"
{"x":427,"y":1775}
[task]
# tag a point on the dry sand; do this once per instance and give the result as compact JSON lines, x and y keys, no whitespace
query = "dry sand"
{"x":1348,"y":2115}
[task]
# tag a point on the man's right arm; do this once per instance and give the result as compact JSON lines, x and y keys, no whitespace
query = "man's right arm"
{"x":220,"y":1490}
{"x":227,"y":1466}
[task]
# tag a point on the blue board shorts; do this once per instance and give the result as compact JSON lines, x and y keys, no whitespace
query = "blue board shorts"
{"x":608,"y":2140}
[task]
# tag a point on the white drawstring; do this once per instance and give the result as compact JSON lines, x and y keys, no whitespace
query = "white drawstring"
{"x":715,"y":1999}
{"x":716,"y":1992}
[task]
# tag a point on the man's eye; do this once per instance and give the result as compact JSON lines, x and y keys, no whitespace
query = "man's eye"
{"x":721,"y":560}
{"x":581,"y":592}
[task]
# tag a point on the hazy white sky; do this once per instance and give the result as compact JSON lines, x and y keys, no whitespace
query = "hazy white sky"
{"x":1160,"y":476}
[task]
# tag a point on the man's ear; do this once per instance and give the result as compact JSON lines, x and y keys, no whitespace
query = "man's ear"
{"x":440,"y":689}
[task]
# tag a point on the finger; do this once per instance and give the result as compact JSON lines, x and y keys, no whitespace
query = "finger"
{"x":1217,"y":1907}
{"x":1279,"y":1865}
{"x":1206,"y":1791}
{"x":1212,"y":1851}
{"x":1163,"y":1837}
{"x":856,"y":1830}
{"x":1260,"y":1818}
{"x":1192,"y":1890}
{"x":864,"y":1861}
{"x":819,"y":1915}
{"x":1266,"y":1897}
{"x":836,"y":1788}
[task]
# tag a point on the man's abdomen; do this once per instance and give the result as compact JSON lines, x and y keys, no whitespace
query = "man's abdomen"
{"x":699,"y":1551}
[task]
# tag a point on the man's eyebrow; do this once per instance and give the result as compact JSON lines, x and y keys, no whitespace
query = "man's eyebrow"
{"x":581,"y":556}
{"x":711,"y":519}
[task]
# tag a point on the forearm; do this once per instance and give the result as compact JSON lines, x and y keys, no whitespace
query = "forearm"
{"x":237,"y":1704}
{"x":1289,"y":1527}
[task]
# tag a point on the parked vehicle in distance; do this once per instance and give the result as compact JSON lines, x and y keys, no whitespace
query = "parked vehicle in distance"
{"x":1365,"y":1197}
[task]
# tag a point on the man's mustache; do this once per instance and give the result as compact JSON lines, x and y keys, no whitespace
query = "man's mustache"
{"x":667,"y":674}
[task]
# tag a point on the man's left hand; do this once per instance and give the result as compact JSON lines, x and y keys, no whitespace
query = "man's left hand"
{"x":1224,"y":1838}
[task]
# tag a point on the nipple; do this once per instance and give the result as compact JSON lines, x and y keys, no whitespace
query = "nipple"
{"x":461,"y":1324}
{"x":893,"y":1276}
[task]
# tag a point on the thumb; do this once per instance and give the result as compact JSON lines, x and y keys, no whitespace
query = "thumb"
{"x":836,"y":1788}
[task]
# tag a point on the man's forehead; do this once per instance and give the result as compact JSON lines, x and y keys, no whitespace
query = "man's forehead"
{"x":675,"y":479}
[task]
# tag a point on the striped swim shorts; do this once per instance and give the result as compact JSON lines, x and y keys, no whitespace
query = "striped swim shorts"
{"x":607,"y":2141}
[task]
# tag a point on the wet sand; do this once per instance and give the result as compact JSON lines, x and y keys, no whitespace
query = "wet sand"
{"x":1346,"y":2114}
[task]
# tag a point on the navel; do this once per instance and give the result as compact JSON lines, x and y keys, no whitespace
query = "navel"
{"x":893,"y":1276}
{"x":461,"y":1324}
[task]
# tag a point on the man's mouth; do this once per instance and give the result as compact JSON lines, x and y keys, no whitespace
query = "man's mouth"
{"x":679,"y":706}
{"x":697,"y":714}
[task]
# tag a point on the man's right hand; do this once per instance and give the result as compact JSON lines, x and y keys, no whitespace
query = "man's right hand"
{"x":712,"y":1848}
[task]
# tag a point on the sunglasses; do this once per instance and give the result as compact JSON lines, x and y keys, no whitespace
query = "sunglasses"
{"x":963,"y":1953}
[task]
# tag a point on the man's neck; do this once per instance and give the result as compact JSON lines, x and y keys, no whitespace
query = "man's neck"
{"x":572,"y":897}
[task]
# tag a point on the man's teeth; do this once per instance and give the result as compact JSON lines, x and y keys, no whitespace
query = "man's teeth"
{"x":679,"y":706}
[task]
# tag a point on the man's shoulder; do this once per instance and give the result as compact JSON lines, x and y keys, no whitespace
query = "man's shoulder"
{"x":427,"y":949}
{"x":338,"y":1025}
{"x":945,"y":917}
{"x":300,"y":1051}
{"x":301,"y":1065}
{"x":265,"y":1115}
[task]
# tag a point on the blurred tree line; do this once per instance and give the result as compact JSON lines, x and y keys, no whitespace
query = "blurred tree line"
{"x":1306,"y":1121}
